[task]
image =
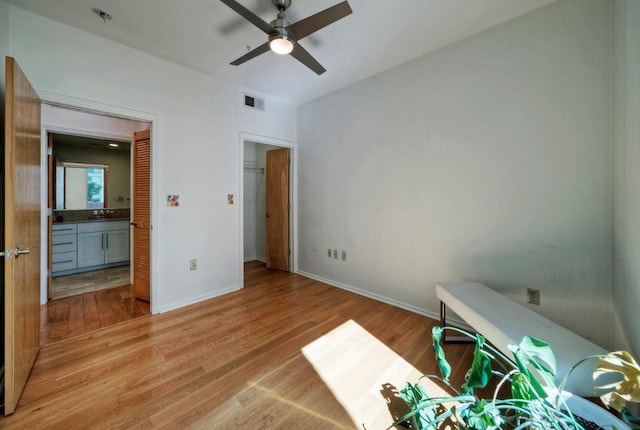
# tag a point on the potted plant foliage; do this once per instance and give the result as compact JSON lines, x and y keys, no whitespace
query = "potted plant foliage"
{"x":535,"y":402}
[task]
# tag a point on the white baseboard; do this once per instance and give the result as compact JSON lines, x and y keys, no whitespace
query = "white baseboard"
{"x":198,"y":299}
{"x":260,"y":259}
{"x":378,"y":297}
{"x":451,"y":320}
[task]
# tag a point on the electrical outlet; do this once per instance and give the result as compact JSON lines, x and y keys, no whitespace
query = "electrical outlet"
{"x":533,"y":296}
{"x":344,"y":255}
{"x":193,"y":264}
{"x":335,"y":254}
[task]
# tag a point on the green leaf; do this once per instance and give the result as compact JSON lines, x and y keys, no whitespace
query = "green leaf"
{"x":443,"y":365}
{"x":521,"y":387}
{"x":536,"y":354}
{"x":415,"y":396}
{"x":483,"y":415}
{"x":480,"y":372}
{"x":630,"y":418}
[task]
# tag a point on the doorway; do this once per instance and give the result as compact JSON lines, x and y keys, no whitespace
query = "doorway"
{"x":253,"y":211}
{"x":109,"y":206}
{"x":90,"y":184}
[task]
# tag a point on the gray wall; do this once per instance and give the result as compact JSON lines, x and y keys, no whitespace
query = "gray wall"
{"x":626,"y":295}
{"x":4,"y":51}
{"x":488,"y":160}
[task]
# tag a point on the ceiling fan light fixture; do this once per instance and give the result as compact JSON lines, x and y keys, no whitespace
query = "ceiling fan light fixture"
{"x":281,"y":44}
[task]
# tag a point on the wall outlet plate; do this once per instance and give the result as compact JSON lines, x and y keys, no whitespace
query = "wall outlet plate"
{"x":193,"y":264}
{"x":533,"y":296}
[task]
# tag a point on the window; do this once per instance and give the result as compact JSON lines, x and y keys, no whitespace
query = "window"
{"x":85,"y":186}
{"x":95,"y":187}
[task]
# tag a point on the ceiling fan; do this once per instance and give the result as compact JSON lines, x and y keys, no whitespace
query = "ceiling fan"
{"x":284,"y":35}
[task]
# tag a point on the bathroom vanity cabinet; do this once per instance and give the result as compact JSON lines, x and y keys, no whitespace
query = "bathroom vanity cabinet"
{"x":89,"y":246}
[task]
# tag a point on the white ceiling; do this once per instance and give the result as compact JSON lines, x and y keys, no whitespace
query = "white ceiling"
{"x":206,"y":35}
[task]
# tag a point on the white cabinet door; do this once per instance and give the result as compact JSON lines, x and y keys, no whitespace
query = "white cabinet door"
{"x":117,"y":246}
{"x":90,"y":249}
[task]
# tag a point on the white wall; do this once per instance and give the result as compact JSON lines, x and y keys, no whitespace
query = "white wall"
{"x":4,"y":51}
{"x":488,"y":160}
{"x":196,"y":149}
{"x":626,"y":291}
{"x":70,"y":121}
{"x":250,"y":198}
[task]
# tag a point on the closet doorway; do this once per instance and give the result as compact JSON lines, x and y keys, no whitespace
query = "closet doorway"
{"x":268,"y":226}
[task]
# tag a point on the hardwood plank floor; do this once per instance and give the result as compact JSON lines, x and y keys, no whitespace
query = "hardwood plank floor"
{"x":237,"y":361}
{"x":80,"y":283}
{"x":75,"y":315}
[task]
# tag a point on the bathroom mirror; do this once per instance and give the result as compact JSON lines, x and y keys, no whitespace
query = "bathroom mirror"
{"x":90,"y":173}
{"x":82,"y":186}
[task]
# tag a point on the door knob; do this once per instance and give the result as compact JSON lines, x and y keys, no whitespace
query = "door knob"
{"x":15,"y":253}
{"x":133,"y":223}
{"x":268,"y":215}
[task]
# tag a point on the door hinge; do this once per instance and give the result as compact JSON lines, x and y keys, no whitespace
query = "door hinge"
{"x":289,"y":252}
{"x":49,"y":150}
{"x":48,"y":273}
{"x":49,"y":212}
{"x":289,"y":161}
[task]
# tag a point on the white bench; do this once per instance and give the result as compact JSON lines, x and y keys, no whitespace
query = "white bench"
{"x":503,"y":321}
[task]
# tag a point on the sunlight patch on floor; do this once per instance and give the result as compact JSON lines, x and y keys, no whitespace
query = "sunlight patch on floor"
{"x":277,"y":396}
{"x":363,"y":374}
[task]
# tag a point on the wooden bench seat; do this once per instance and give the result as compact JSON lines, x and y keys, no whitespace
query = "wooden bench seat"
{"x":503,"y":321}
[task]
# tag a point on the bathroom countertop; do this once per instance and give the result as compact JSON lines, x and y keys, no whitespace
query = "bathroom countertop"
{"x":97,"y":219}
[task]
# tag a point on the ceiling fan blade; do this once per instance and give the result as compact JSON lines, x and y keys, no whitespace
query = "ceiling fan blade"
{"x":252,"y":54}
{"x":249,"y":16}
{"x":237,"y":22}
{"x":320,"y":20}
{"x":301,"y":54}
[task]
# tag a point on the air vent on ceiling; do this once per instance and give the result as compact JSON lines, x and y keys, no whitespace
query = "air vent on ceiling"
{"x":253,"y":102}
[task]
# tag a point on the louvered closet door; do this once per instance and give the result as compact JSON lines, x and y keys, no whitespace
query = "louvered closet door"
{"x":142,"y":215}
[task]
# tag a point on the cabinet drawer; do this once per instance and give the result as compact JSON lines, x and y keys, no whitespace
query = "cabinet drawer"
{"x":64,"y":261}
{"x":64,"y":229}
{"x":64,"y":243}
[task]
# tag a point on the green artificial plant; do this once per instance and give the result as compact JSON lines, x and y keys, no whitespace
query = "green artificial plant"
{"x":531,"y":404}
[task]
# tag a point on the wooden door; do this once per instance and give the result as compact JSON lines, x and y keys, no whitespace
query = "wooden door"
{"x":142,"y":215}
{"x":22,"y":208}
{"x":278,"y":209}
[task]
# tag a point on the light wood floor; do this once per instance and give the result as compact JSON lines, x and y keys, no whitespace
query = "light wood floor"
{"x":75,"y":315}
{"x":252,"y":359}
{"x":79,"y":283}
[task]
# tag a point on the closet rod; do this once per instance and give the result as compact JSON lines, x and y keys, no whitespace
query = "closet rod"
{"x":254,"y":169}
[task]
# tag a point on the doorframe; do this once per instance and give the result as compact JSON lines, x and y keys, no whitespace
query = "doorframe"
{"x":98,"y":108}
{"x":293,"y":193}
